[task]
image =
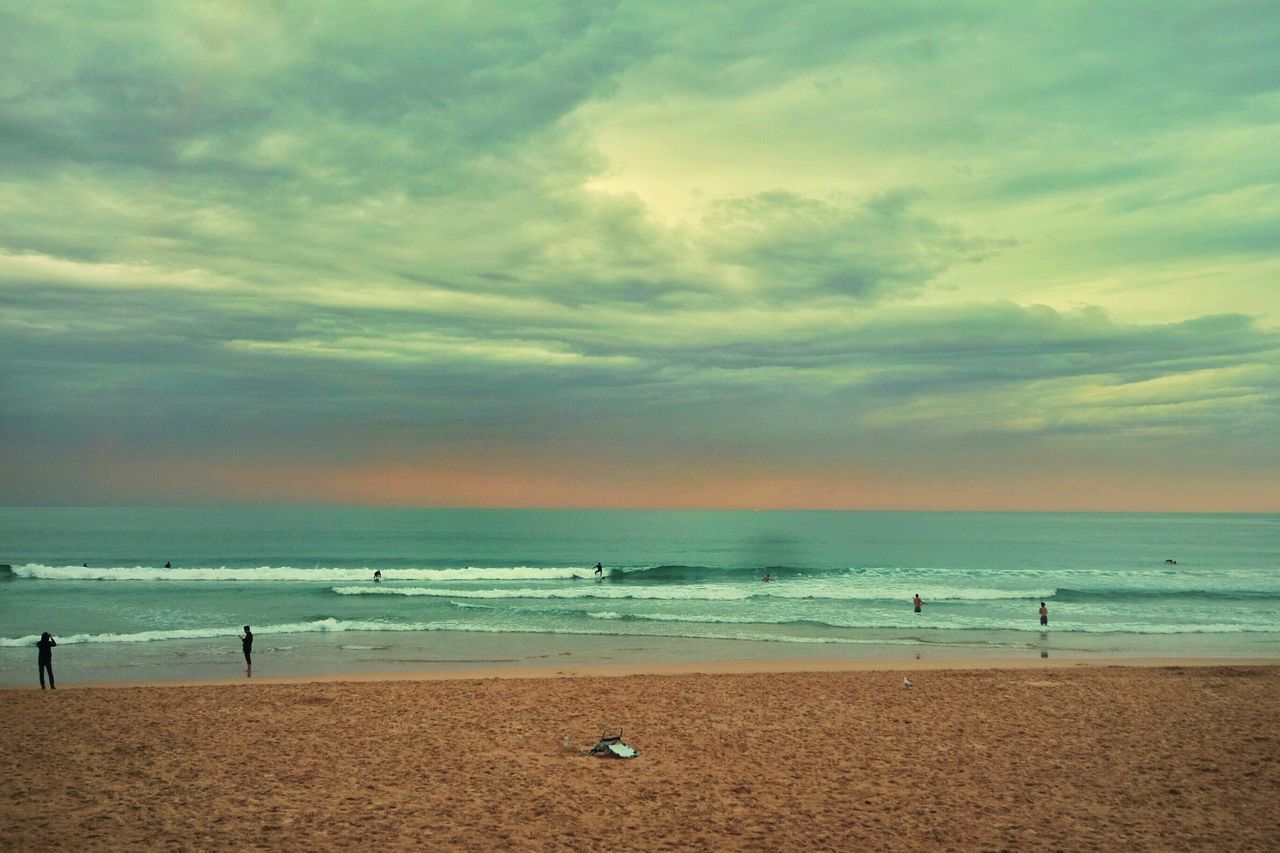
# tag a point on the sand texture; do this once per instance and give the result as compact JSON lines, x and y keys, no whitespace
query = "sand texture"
{"x":1076,"y":759}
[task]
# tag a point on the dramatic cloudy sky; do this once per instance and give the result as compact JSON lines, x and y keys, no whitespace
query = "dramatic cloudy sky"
{"x":751,"y":254}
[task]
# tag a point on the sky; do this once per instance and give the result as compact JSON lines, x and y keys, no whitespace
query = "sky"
{"x":862,"y":255}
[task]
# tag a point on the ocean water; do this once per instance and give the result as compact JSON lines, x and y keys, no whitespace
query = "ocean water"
{"x":467,"y":586}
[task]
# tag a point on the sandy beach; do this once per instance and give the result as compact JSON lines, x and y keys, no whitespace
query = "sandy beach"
{"x":1072,"y":758}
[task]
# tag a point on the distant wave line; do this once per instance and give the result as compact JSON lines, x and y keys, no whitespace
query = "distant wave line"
{"x":290,"y":573}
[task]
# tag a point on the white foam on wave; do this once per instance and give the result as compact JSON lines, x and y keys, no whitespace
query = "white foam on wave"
{"x":345,"y":625}
{"x":708,"y":619}
{"x":318,"y":625}
{"x":794,"y":590}
{"x":318,"y":574}
{"x":696,"y":592}
{"x":339,"y":625}
{"x":952,"y":624}
{"x":843,"y":590}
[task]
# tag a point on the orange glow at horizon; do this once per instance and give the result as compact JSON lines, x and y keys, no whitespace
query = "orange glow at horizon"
{"x":500,"y":481}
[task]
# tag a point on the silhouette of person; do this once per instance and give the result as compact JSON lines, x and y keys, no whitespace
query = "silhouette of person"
{"x":168,"y":564}
{"x":1044,"y":614}
{"x":917,"y":601}
{"x":599,"y":571}
{"x":45,"y":664}
{"x":377,"y":575}
{"x":768,"y":578}
{"x":246,"y":642}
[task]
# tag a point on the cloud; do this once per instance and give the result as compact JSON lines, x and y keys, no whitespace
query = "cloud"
{"x":1076,"y":179}
{"x":786,"y":242}
{"x":779,"y":236}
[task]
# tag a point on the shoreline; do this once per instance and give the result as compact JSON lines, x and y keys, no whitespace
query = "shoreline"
{"x":443,"y":655}
{"x":771,"y":666}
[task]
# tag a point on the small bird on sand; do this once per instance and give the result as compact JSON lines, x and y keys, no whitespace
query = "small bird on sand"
{"x":906,"y":682}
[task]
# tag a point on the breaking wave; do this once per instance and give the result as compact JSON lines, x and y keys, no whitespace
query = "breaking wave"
{"x":700,"y":592}
{"x":318,"y":625}
{"x":686,"y":592}
{"x":318,"y":574}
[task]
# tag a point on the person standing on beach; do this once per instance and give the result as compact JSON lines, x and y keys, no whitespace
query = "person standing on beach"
{"x":45,"y":658}
{"x":918,"y":602}
{"x":1044,"y":614}
{"x":246,"y":643}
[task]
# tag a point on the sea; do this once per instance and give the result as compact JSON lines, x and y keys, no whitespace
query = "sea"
{"x":465,"y":589}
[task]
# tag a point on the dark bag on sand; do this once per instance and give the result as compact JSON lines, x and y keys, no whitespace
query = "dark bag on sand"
{"x":611,"y":746}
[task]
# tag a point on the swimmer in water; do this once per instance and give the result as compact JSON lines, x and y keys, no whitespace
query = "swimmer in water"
{"x":377,"y":575}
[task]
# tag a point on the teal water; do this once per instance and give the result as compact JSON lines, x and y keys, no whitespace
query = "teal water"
{"x":843,"y":583}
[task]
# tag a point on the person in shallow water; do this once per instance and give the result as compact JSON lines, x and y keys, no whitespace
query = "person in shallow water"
{"x":45,"y":658}
{"x":377,"y":575}
{"x":1044,"y":614}
{"x":246,"y":643}
{"x":917,"y":602}
{"x":768,"y":578}
{"x":168,"y":564}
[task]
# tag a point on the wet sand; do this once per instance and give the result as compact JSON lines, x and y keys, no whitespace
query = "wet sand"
{"x":1157,"y":758}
